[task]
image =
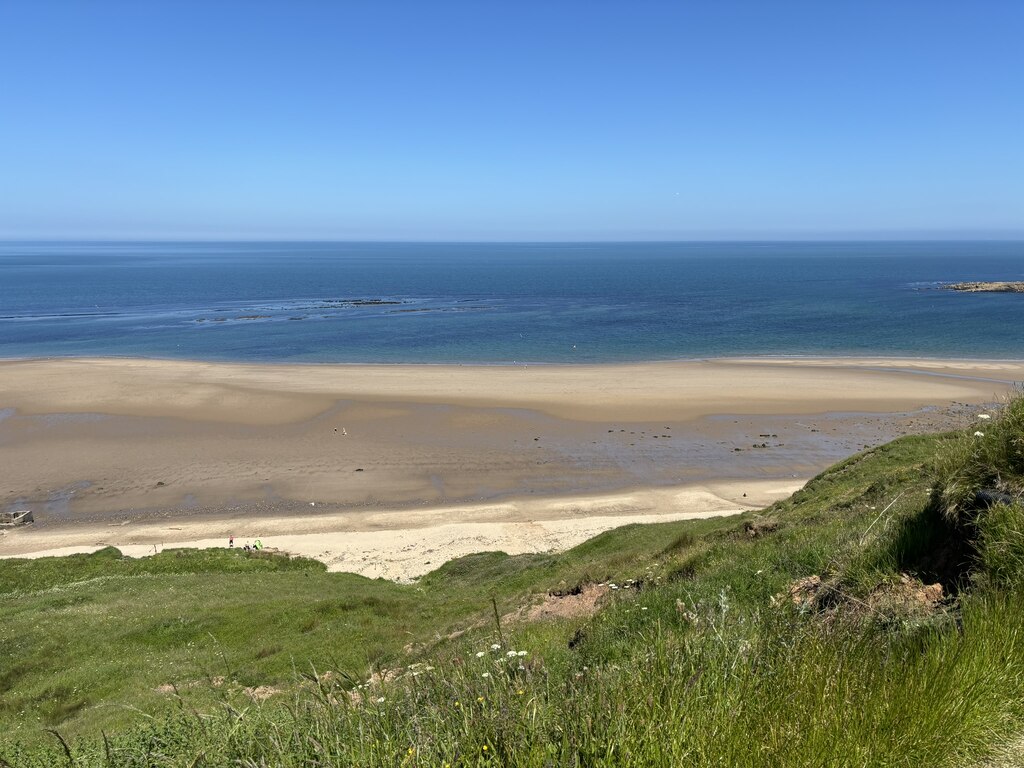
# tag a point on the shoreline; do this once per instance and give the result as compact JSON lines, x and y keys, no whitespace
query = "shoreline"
{"x":767,"y":358}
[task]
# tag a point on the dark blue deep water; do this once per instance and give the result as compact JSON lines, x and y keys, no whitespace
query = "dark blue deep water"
{"x":498,"y":303}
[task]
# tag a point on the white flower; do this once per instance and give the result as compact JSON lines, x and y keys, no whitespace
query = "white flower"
{"x":480,"y":654}
{"x":984,"y":416}
{"x":643,"y":608}
{"x":380,"y":700}
{"x":979,"y":434}
{"x":495,"y":647}
{"x":486,"y":674}
{"x":521,"y":653}
{"x":510,"y":654}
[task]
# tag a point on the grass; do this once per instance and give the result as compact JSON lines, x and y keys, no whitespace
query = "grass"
{"x":700,"y":656}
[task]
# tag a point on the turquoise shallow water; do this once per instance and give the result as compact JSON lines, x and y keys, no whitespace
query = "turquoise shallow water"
{"x":499,"y":303}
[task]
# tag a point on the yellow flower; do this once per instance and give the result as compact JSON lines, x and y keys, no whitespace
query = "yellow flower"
{"x":480,"y":699}
{"x":485,"y":747}
{"x":519,"y":693}
{"x":411,"y":750}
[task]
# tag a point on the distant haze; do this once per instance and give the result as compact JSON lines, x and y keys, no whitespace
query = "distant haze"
{"x":511,"y":121}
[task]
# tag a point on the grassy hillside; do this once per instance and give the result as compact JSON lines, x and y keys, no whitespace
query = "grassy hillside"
{"x":874,"y":618}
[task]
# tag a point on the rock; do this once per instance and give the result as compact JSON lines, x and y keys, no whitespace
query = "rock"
{"x":987,"y":287}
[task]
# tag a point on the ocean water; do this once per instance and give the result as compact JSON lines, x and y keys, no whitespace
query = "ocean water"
{"x":499,"y":303}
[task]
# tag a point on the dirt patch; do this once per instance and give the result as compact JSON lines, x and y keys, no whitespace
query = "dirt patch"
{"x":760,"y":526}
{"x":908,"y":596}
{"x":215,"y":682}
{"x":576,"y":603}
{"x":803,"y":593}
{"x":261,"y":692}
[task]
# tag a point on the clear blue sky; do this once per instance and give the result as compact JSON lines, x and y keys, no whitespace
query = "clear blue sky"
{"x":511,"y":120}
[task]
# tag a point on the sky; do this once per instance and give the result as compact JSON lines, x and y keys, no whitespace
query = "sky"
{"x":512,"y":120}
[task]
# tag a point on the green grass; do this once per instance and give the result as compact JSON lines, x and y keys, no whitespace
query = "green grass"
{"x":990,"y":457}
{"x":700,"y":657}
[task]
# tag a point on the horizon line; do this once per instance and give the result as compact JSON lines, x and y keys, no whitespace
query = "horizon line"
{"x":1008,"y":238}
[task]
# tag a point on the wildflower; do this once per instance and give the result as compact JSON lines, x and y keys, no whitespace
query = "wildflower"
{"x":495,"y":647}
{"x":984,"y":416}
{"x":480,"y":654}
{"x":510,"y":654}
{"x":979,"y":434}
{"x":380,"y":700}
{"x":458,"y":703}
{"x":521,"y":653}
{"x":479,"y":699}
{"x":486,"y":674}
{"x":485,"y":747}
{"x":519,"y":692}
{"x":411,"y":750}
{"x":643,"y":608}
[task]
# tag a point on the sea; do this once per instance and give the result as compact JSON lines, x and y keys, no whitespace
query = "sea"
{"x":506,"y":303}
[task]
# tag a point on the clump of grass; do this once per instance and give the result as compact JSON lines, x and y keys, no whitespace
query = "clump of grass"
{"x":1001,"y":545}
{"x":991,"y":456}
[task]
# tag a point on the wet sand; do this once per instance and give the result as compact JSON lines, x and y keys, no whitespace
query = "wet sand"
{"x":97,"y":447}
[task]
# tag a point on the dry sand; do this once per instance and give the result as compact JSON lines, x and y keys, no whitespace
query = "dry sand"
{"x":402,"y":545}
{"x":390,"y":470}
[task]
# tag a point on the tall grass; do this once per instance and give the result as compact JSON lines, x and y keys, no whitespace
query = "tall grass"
{"x":728,"y":691}
{"x":991,"y":456}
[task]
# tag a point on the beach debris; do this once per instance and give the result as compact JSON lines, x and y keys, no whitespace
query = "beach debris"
{"x":12,"y":519}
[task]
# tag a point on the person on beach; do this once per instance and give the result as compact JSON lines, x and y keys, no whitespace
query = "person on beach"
{"x":231,"y":541}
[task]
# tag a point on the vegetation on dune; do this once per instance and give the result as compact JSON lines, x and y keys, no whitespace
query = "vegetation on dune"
{"x":874,"y":618}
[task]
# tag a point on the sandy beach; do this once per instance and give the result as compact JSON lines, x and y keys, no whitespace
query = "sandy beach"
{"x":391,"y":470}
